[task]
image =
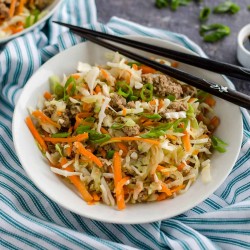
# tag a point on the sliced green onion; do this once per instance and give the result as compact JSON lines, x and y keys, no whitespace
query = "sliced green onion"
{"x":204,"y":14}
{"x":61,"y":135}
{"x":171,"y":97}
{"x":177,"y":123}
{"x":158,"y":131}
{"x":147,"y":92}
{"x":214,"y":32}
{"x":124,"y":89}
{"x":132,"y":98}
{"x":96,"y":137}
{"x":117,"y":126}
{"x":161,"y":3}
{"x":151,"y":116}
{"x":82,"y":129}
{"x":226,"y":7}
{"x":218,"y":144}
{"x":58,"y":149}
{"x":71,"y":80}
{"x":202,"y":95}
{"x":174,"y":5}
{"x":110,"y":154}
{"x":56,"y":87}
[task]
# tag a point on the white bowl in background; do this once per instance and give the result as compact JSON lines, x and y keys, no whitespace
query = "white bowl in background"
{"x":243,"y":54}
{"x":50,"y":11}
{"x":65,"y":195}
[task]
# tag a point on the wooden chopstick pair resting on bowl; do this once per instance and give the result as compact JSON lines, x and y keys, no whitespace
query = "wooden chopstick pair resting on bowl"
{"x":225,"y":93}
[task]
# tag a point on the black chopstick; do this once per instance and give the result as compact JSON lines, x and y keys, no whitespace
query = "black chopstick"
{"x":225,"y":93}
{"x":200,"y":62}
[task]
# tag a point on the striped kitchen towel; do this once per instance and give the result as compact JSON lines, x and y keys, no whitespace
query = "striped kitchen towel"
{"x":30,"y":220}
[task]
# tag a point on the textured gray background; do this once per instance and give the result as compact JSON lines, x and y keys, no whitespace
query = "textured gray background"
{"x":185,"y":21}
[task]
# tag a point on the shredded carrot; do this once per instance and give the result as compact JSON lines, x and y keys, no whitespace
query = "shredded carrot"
{"x":186,"y":141}
{"x":79,"y":117}
{"x":215,"y":122}
{"x":70,"y":129}
{"x":21,"y":5}
{"x":104,"y":131}
{"x":175,"y":64}
{"x":135,"y":67}
{"x":12,"y":8}
{"x":123,"y":147}
{"x":98,"y":89}
{"x":47,"y":95}
{"x":150,"y":123}
{"x":210,"y":101}
{"x":105,"y":74}
{"x":68,"y":150}
{"x":153,"y":102}
{"x":80,"y":186}
{"x":161,"y":104}
{"x":124,"y":112}
{"x":75,"y":76}
{"x":69,"y":88}
{"x":195,"y":152}
{"x":77,"y":97}
{"x":199,"y":117}
{"x":172,"y":137}
{"x":77,"y":138}
{"x":162,"y":197}
{"x":191,"y":100}
{"x":178,"y":188}
{"x":86,"y":106}
{"x":96,"y":197}
{"x":117,"y":178}
{"x":90,"y":148}
{"x":36,"y":134}
{"x":165,"y":190}
{"x":161,"y":168}
{"x":143,"y":119}
{"x":82,"y":150}
{"x":43,"y":118}
{"x":181,"y":166}
{"x":146,"y":70}
{"x":116,"y":139}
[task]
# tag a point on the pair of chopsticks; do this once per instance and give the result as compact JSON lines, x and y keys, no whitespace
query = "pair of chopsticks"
{"x":225,"y":93}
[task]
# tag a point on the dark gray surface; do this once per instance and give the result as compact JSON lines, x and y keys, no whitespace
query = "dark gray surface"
{"x":185,"y":21}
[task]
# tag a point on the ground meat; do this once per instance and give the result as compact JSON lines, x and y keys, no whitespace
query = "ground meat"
{"x":208,"y":144}
{"x":51,"y":147}
{"x":131,"y":104}
{"x":41,"y":4}
{"x":49,"y":110}
{"x":4,"y":11}
{"x":143,"y":196}
{"x":177,"y":106}
{"x":132,"y":130}
{"x":74,"y":109}
{"x":189,"y":90}
{"x":117,"y":101}
{"x":163,"y":85}
{"x":66,"y":119}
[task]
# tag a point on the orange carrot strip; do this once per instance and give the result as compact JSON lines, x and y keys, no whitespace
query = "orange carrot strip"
{"x":75,"y":76}
{"x":161,"y":103}
{"x":78,"y":97}
{"x":195,"y":152}
{"x":115,"y":139}
{"x":117,"y":178}
{"x":104,"y":131}
{"x":79,"y":117}
{"x":123,"y":147}
{"x":12,"y":8}
{"x":124,"y":112}
{"x":210,"y":101}
{"x":98,"y":89}
{"x":153,"y":102}
{"x":82,"y":150}
{"x":86,"y":106}
{"x":178,"y":188}
{"x":148,"y":123}
{"x":35,"y":133}
{"x":186,"y":141}
{"x":215,"y":122}
{"x":161,"y":168}
{"x":103,"y":153}
{"x":165,"y":190}
{"x":135,"y":67}
{"x":146,"y":70}
{"x":172,"y":137}
{"x":162,"y":197}
{"x":80,"y":186}
{"x":77,"y":138}
{"x":181,"y":166}
{"x":192,"y":100}
{"x":105,"y":74}
{"x":44,"y":118}
{"x":20,"y":7}
{"x":68,"y":150}
{"x":96,"y":197}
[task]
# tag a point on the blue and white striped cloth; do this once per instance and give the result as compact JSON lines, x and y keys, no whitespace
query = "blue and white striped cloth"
{"x":30,"y":220}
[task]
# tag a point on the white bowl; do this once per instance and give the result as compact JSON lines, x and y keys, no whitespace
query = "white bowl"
{"x":242,"y":53}
{"x":50,"y":11}
{"x":65,"y":195}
